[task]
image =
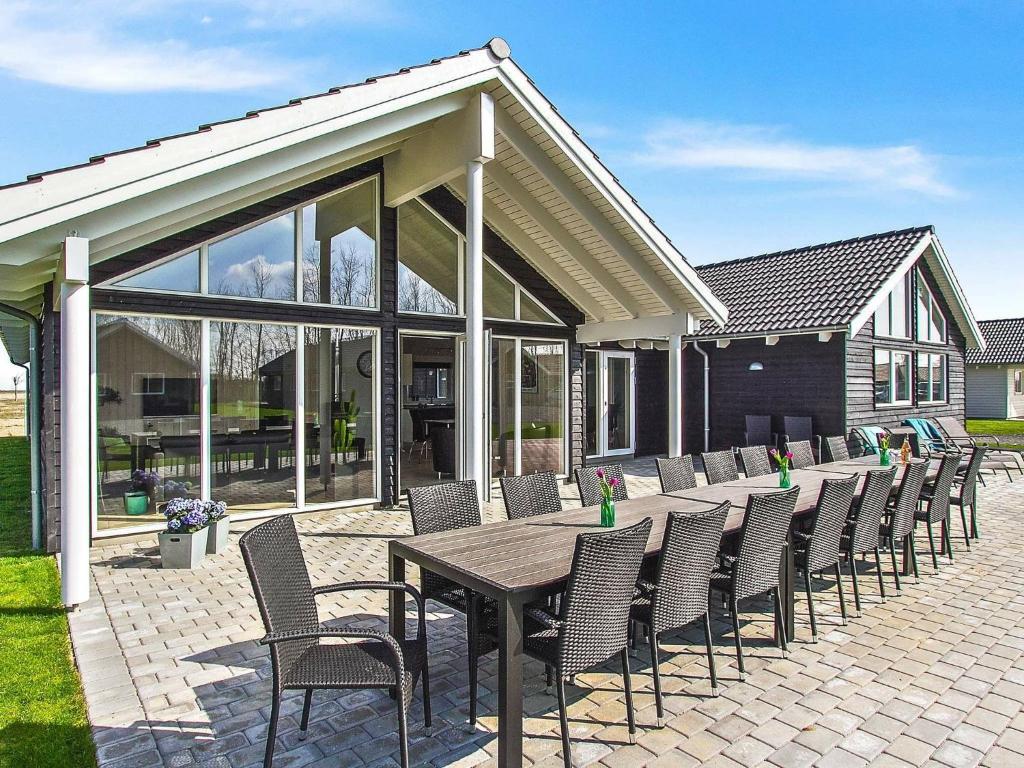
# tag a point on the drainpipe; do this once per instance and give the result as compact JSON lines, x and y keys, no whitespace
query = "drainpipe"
{"x":707,"y":396}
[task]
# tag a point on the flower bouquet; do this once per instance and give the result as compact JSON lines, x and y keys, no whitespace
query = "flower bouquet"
{"x":783,"y":460}
{"x":142,"y":496}
{"x":884,"y":459}
{"x":608,"y":485}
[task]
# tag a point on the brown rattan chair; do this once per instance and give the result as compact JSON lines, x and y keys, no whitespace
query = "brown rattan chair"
{"x":678,"y":593}
{"x":530,"y":495}
{"x":819,"y":547}
{"x":803,"y":456}
{"x":861,"y":535}
{"x":759,"y":432}
{"x":836,"y":449}
{"x":593,"y":622}
{"x":755,"y":569}
{"x":300,"y":661}
{"x":720,"y":467}
{"x":900,"y":525}
{"x":676,"y":474}
{"x":589,"y":484}
{"x":968,"y":493}
{"x":937,"y":496}
{"x":755,"y":461}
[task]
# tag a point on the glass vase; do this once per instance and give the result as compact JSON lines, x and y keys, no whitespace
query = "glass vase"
{"x":784,"y":479}
{"x":884,"y":459}
{"x":607,"y":513}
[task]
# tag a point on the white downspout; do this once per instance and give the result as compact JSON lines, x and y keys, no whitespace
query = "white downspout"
{"x":707,"y":396}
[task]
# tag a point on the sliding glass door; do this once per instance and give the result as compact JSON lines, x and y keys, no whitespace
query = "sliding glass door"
{"x":610,"y":392}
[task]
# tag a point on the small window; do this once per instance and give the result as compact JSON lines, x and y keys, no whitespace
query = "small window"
{"x":892,"y":377}
{"x":428,"y":262}
{"x":892,"y":318}
{"x":931,"y":323}
{"x":931,"y":378}
{"x":178,"y":274}
{"x":499,"y":294}
{"x":257,"y":263}
{"x":1018,"y":382}
{"x":147,"y":384}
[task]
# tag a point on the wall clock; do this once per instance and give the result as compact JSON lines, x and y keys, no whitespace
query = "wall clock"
{"x":365,"y":364}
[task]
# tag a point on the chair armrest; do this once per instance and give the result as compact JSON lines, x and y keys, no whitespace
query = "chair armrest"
{"x":544,"y":618}
{"x":390,"y":586}
{"x":356,"y":634}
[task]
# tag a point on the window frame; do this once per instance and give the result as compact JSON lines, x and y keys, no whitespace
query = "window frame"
{"x":1018,"y":381}
{"x":929,"y":357}
{"x":893,"y":402}
{"x":887,"y":305}
{"x":923,"y":289}
{"x":145,"y":377}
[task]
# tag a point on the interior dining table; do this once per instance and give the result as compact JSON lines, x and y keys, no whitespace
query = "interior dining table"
{"x":515,"y":562}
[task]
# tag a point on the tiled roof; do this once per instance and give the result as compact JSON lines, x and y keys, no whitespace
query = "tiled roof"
{"x":1005,"y":343}
{"x":817,"y":287}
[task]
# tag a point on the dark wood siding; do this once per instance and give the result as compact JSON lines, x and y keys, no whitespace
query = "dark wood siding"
{"x":802,"y":377}
{"x":651,"y":402}
{"x":49,"y":358}
{"x":860,"y":388}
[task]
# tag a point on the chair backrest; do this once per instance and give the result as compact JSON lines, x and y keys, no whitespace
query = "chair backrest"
{"x":836,"y":449}
{"x":419,"y":429}
{"x":907,"y":497}
{"x":589,"y":484}
{"x":688,"y":553}
{"x":529,"y":495}
{"x":870,"y":509}
{"x":442,"y":441}
{"x":755,"y":461}
{"x":720,"y":466}
{"x":969,"y":485}
{"x":833,"y":510}
{"x":952,"y":427}
{"x":595,"y":608}
{"x":803,"y":456}
{"x":676,"y":474}
{"x":759,"y":431}
{"x":798,"y":428}
{"x":444,"y":506}
{"x":867,"y":437}
{"x":280,"y":581}
{"x":938,"y":507}
{"x":762,"y":537}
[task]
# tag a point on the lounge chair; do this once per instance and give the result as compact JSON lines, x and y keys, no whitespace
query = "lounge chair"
{"x":998,"y":454}
{"x":867,"y":438}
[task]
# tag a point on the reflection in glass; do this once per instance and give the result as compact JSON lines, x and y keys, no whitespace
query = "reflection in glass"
{"x":619,"y":406}
{"x":532,"y":312}
{"x":428,"y":268}
{"x":883,"y":377}
{"x":901,"y":368}
{"x":252,"y":386}
{"x":499,"y":294}
{"x":339,"y":248}
{"x":147,"y":416}
{"x":543,"y":404}
{"x":339,"y":415}
{"x":178,"y":274}
{"x":258,"y":263}
{"x":503,"y":407}
{"x":591,"y":373}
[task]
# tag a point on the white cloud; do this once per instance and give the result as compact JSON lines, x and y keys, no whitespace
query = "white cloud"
{"x":268,"y":270}
{"x":760,"y":149}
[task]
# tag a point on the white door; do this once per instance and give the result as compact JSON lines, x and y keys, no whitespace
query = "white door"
{"x":610,"y":403}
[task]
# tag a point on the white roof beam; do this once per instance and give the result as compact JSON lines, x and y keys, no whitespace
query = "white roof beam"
{"x":554,"y":175}
{"x":511,"y":187}
{"x":535,"y":255}
{"x":637,"y":328}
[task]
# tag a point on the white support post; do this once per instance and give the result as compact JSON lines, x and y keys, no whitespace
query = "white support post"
{"x":75,"y":419}
{"x":475,"y":359}
{"x":675,"y":395}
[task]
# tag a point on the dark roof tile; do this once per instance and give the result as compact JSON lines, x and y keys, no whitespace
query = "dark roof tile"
{"x":1004,"y":340}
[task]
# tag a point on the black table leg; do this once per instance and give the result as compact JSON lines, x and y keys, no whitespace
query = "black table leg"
{"x":787,"y":585}
{"x":510,"y":683}
{"x":396,"y":600}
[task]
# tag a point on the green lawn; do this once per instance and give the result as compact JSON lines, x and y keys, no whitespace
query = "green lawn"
{"x":42,"y":712}
{"x":998,"y":428}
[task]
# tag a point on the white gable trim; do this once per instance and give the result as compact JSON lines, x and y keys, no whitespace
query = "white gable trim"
{"x":868,"y":310}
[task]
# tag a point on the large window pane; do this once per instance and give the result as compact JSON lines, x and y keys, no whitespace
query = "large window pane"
{"x":339,"y":428}
{"x":901,"y":369}
{"x":499,"y":294}
{"x":503,"y":407}
{"x":620,"y":407}
{"x":147,"y":416}
{"x":178,"y":274}
{"x":428,"y":269}
{"x":543,"y":407}
{"x":883,"y":377}
{"x":252,"y":385}
{"x":591,"y":374}
{"x":938,"y":366}
{"x":339,"y":248}
{"x":898,"y":302}
{"x":882,"y":325}
{"x":257,"y":263}
{"x":924,"y":385}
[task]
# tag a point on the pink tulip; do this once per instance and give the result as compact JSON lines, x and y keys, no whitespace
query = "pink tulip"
{"x":789,"y":454}
{"x":600,"y":474}
{"x":773,"y":453}
{"x":613,"y":482}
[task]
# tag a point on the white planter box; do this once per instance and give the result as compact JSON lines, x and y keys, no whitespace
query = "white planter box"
{"x":218,"y":536}
{"x":183,"y":550}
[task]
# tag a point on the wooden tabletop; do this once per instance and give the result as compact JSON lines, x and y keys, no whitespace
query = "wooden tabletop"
{"x":533,"y":555}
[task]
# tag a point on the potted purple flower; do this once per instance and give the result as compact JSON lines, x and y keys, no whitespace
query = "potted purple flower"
{"x":607,"y":502}
{"x":184,"y":543}
{"x":783,"y":459}
{"x":142,"y":496}
{"x":217,"y":539}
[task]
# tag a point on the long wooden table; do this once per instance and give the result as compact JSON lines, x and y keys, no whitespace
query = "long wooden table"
{"x":517,"y":561}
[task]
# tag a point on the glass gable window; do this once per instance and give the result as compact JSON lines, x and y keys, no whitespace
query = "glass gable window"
{"x":339,"y":248}
{"x":499,"y":294}
{"x":892,"y":318}
{"x":178,"y":274}
{"x":931,"y":378}
{"x":257,"y":263}
{"x":931,"y":324}
{"x":892,"y":377}
{"x":429,"y":262}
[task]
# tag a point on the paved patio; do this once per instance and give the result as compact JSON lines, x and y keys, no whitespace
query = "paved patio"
{"x":174,"y":676}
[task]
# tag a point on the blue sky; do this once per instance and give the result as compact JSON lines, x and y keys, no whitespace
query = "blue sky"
{"x":741,"y":127}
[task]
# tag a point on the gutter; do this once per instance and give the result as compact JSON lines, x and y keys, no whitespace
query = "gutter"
{"x":707,"y":395}
{"x":34,"y":406}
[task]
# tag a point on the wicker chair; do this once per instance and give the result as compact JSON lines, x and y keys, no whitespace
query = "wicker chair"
{"x":755,"y":461}
{"x":900,"y":526}
{"x":678,"y":593}
{"x":287,"y":603}
{"x":590,"y":486}
{"x":967,"y":497}
{"x":755,"y":569}
{"x":676,"y":474}
{"x":529,"y":495}
{"x":861,"y":535}
{"x":819,"y":547}
{"x":449,"y":507}
{"x":720,"y":467}
{"x":797,"y":428}
{"x":759,"y":432}
{"x":803,"y":456}
{"x":593,"y":623}
{"x":938,"y":496}
{"x":836,"y":449}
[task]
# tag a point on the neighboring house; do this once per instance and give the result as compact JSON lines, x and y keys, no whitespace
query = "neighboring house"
{"x":449,"y":201}
{"x":864,"y":331}
{"x":995,"y":375}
